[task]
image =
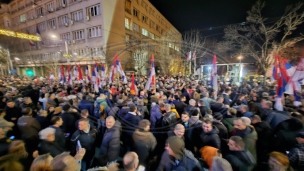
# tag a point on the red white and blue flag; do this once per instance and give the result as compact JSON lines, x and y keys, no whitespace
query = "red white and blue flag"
{"x":69,"y":76}
{"x":62,"y":75}
{"x":213,"y":79}
{"x":31,"y":42}
{"x":80,"y":74}
{"x":120,"y":70}
{"x":94,"y":80}
{"x":97,"y":74}
{"x":112,"y":74}
{"x":52,"y":75}
{"x":87,"y":73}
{"x":38,"y":34}
{"x":151,"y":79}
{"x":75,"y":73}
{"x":103,"y":74}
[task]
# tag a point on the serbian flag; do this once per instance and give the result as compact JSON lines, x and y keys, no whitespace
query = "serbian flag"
{"x":189,"y":56}
{"x":97,"y":74}
{"x":75,"y":73}
{"x":151,"y":79}
{"x":213,"y":79}
{"x":112,"y":74}
{"x":120,"y":70}
{"x":194,"y":55}
{"x":103,"y":74}
{"x":94,"y":80}
{"x":80,"y":74}
{"x":38,"y":34}
{"x":69,"y":76}
{"x":133,"y":90}
{"x":282,"y":77}
{"x":88,"y":78}
{"x":62,"y":75}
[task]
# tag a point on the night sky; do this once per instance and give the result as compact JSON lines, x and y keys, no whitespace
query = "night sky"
{"x":204,"y":14}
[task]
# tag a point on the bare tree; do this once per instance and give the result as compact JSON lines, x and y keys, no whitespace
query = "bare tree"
{"x":259,"y":37}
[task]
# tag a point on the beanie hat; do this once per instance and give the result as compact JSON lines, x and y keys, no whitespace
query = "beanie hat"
{"x":177,"y":145}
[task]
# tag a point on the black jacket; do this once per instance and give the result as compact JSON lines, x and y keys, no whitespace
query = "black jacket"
{"x":210,"y":138}
{"x":59,"y":137}
{"x":169,"y":121}
{"x":180,"y":107}
{"x":4,"y":145}
{"x":241,"y":160}
{"x":44,"y":122}
{"x":69,"y":120}
{"x":49,"y":147}
{"x":110,"y":146}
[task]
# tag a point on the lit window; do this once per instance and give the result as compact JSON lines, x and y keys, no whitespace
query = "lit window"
{"x":151,"y":35}
{"x":22,"y":18}
{"x":144,"y":32}
{"x":127,"y":23}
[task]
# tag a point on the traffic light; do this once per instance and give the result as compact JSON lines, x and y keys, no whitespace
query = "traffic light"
{"x":29,"y":72}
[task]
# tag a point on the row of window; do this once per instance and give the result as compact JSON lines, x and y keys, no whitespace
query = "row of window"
{"x":128,"y":25}
{"x":74,"y":16}
{"x":80,"y":34}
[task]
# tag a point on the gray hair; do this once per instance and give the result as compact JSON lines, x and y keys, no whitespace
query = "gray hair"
{"x":192,"y":102}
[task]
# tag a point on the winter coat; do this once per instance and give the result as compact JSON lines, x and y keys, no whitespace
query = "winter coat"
{"x":69,"y":120}
{"x":122,"y":113}
{"x":275,"y":117}
{"x":29,"y":127}
{"x":250,"y":137}
{"x":223,"y":132}
{"x":156,"y":114}
{"x":112,"y":111}
{"x":228,"y":122}
{"x":241,"y":160}
{"x":4,"y":145}
{"x":131,"y":122}
{"x":180,"y":106}
{"x":59,"y":137}
{"x":86,"y":104}
{"x":144,"y":111}
{"x":296,"y":157}
{"x":169,"y":121}
{"x":110,"y":146}
{"x":49,"y":147}
{"x":44,"y":122}
{"x":144,"y":143}
{"x":87,"y":141}
{"x":187,"y":163}
{"x":210,"y":138}
{"x":264,"y":132}
{"x":226,"y":99}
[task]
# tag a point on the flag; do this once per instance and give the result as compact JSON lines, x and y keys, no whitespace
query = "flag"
{"x":31,"y":42}
{"x":133,"y":89}
{"x":151,"y":79}
{"x":52,"y":75}
{"x":213,"y":80}
{"x":120,"y":70}
{"x":281,"y":75}
{"x":103,"y":74}
{"x":194,"y":55}
{"x":112,"y":74}
{"x":69,"y":75}
{"x":75,"y":73}
{"x":62,"y":75}
{"x":38,"y":34}
{"x":80,"y":74}
{"x":97,"y":75}
{"x":88,"y":78}
{"x":94,"y":80}
{"x":189,"y":56}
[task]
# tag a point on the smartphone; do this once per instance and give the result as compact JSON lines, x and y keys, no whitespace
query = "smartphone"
{"x":78,"y":145}
{"x":67,"y":135}
{"x":12,"y":137}
{"x":141,"y":168}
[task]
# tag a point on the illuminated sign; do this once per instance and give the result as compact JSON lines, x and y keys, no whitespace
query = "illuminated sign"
{"x":19,"y":35}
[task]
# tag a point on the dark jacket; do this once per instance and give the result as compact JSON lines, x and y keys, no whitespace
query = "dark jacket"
{"x":44,"y":122}
{"x":210,"y":138}
{"x":187,"y":163}
{"x":86,"y":104}
{"x":110,"y":146}
{"x":49,"y":147}
{"x":250,"y":137}
{"x":87,"y":141}
{"x":4,"y":145}
{"x":180,"y":107}
{"x":29,"y":127}
{"x":228,"y":122}
{"x":169,"y":121}
{"x":241,"y":160}
{"x":223,"y":132}
{"x":122,"y":113}
{"x":69,"y":120}
{"x":275,"y":117}
{"x":131,"y":122}
{"x":156,"y":115}
{"x":59,"y":137}
{"x":226,"y":99}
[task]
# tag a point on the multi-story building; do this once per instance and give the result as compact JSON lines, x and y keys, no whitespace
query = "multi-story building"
{"x":84,"y":31}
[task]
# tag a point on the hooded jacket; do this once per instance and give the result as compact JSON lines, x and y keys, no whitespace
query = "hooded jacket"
{"x":228,"y":122}
{"x":146,"y":137}
{"x":250,"y":137}
{"x":241,"y":160}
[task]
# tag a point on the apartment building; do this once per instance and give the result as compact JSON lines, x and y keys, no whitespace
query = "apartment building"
{"x":84,"y":31}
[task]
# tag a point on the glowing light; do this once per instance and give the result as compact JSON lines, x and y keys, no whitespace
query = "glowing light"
{"x":241,"y":70}
{"x":19,"y":35}
{"x":17,"y":59}
{"x":53,"y":36}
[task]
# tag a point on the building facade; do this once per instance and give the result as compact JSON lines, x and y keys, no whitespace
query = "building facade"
{"x":85,"y":31}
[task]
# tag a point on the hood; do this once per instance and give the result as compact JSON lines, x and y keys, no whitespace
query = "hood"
{"x":141,"y":135}
{"x":207,"y":153}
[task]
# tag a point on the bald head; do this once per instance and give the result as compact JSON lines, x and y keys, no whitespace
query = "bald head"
{"x":179,"y":130}
{"x":130,"y":161}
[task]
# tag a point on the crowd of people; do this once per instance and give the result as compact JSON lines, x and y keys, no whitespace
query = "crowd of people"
{"x":178,"y":124}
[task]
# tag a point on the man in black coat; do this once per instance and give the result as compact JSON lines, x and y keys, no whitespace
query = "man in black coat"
{"x":85,"y":137}
{"x":86,"y":104}
{"x":209,"y":136}
{"x":13,"y":113}
{"x":68,"y":116}
{"x":110,"y":146}
{"x":180,"y":105}
{"x":47,"y":145}
{"x":56,"y":122}
{"x":226,"y":96}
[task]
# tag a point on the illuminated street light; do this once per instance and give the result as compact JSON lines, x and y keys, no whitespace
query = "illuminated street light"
{"x":53,"y":36}
{"x":17,"y":59}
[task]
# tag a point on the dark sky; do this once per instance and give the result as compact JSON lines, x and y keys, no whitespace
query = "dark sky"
{"x":203,"y":14}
